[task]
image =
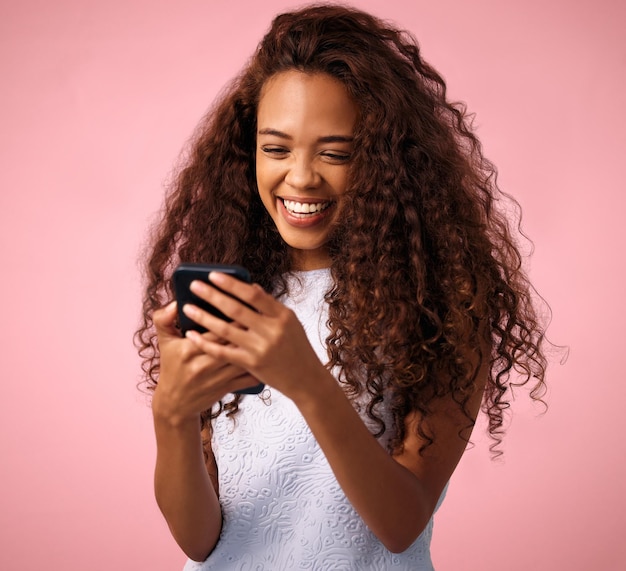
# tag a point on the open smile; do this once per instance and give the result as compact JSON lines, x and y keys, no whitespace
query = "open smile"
{"x":305,"y":209}
{"x":304,"y":214}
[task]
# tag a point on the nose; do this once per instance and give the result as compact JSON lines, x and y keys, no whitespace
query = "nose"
{"x":302,"y":174}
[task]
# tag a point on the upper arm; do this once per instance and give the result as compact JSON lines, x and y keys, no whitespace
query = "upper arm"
{"x":209,"y":459}
{"x":451,"y":428}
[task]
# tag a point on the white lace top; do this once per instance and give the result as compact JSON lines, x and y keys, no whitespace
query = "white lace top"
{"x":283,"y":508}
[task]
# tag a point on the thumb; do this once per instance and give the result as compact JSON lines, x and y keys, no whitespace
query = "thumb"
{"x":165,"y":319}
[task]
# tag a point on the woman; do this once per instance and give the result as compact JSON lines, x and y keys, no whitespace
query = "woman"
{"x":388,"y":305}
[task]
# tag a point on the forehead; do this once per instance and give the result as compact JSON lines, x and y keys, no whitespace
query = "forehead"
{"x":296,"y":99}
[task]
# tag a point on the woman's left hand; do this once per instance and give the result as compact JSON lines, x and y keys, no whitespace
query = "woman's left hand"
{"x":268,"y":341}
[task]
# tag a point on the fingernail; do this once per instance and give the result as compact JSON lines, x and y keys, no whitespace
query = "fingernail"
{"x":189,"y":309}
{"x":216,"y":277}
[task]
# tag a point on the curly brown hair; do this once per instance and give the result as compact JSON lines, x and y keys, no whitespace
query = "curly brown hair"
{"x":429,"y":269}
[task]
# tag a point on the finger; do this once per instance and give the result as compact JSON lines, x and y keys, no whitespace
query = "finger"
{"x":230,"y":373}
{"x":252,"y":294}
{"x":210,"y":336}
{"x":193,"y":349}
{"x":164,"y":318}
{"x":244,"y":381}
{"x":228,"y":333}
{"x":226,"y":352}
{"x":233,"y":308}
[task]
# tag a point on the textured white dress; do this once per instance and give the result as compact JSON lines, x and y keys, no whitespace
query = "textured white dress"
{"x":282,"y":506}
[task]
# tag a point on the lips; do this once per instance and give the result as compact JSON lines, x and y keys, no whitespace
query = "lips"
{"x":304,"y":213}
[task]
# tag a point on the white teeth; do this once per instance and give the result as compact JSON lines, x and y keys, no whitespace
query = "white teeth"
{"x":305,"y":207}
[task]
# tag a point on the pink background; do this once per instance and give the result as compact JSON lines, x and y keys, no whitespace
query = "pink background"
{"x":96,"y":102}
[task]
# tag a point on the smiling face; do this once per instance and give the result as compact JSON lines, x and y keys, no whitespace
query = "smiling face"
{"x":305,"y":125}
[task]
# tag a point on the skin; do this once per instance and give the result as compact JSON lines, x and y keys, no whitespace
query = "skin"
{"x":297,"y":113}
{"x":304,"y":141}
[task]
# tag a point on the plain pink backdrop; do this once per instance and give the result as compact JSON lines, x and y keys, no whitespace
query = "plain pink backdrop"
{"x":97,"y":100}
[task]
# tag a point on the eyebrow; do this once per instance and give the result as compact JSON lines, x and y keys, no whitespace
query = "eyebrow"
{"x":327,"y":139}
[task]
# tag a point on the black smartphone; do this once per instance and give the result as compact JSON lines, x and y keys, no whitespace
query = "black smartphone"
{"x":183,"y":275}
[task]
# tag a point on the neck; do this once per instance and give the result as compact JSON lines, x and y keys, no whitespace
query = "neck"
{"x":304,"y":260}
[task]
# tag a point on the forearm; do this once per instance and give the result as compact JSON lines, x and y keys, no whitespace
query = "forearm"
{"x":391,"y":494}
{"x":390,"y":499}
{"x":183,"y":488}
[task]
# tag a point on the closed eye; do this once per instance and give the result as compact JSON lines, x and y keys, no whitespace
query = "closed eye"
{"x":273,"y":151}
{"x":336,"y":157}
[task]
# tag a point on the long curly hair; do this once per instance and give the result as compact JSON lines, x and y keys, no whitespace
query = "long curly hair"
{"x":429,"y":271}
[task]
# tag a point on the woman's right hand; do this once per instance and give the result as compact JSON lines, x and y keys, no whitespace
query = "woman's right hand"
{"x":190,"y":381}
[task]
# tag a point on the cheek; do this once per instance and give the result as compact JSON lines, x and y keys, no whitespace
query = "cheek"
{"x":258,"y":171}
{"x":340,"y":181}
{"x":264,"y":186}
{"x":264,"y":174}
{"x":269,"y":176}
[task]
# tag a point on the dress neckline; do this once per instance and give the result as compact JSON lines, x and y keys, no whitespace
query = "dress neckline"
{"x":302,"y":284}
